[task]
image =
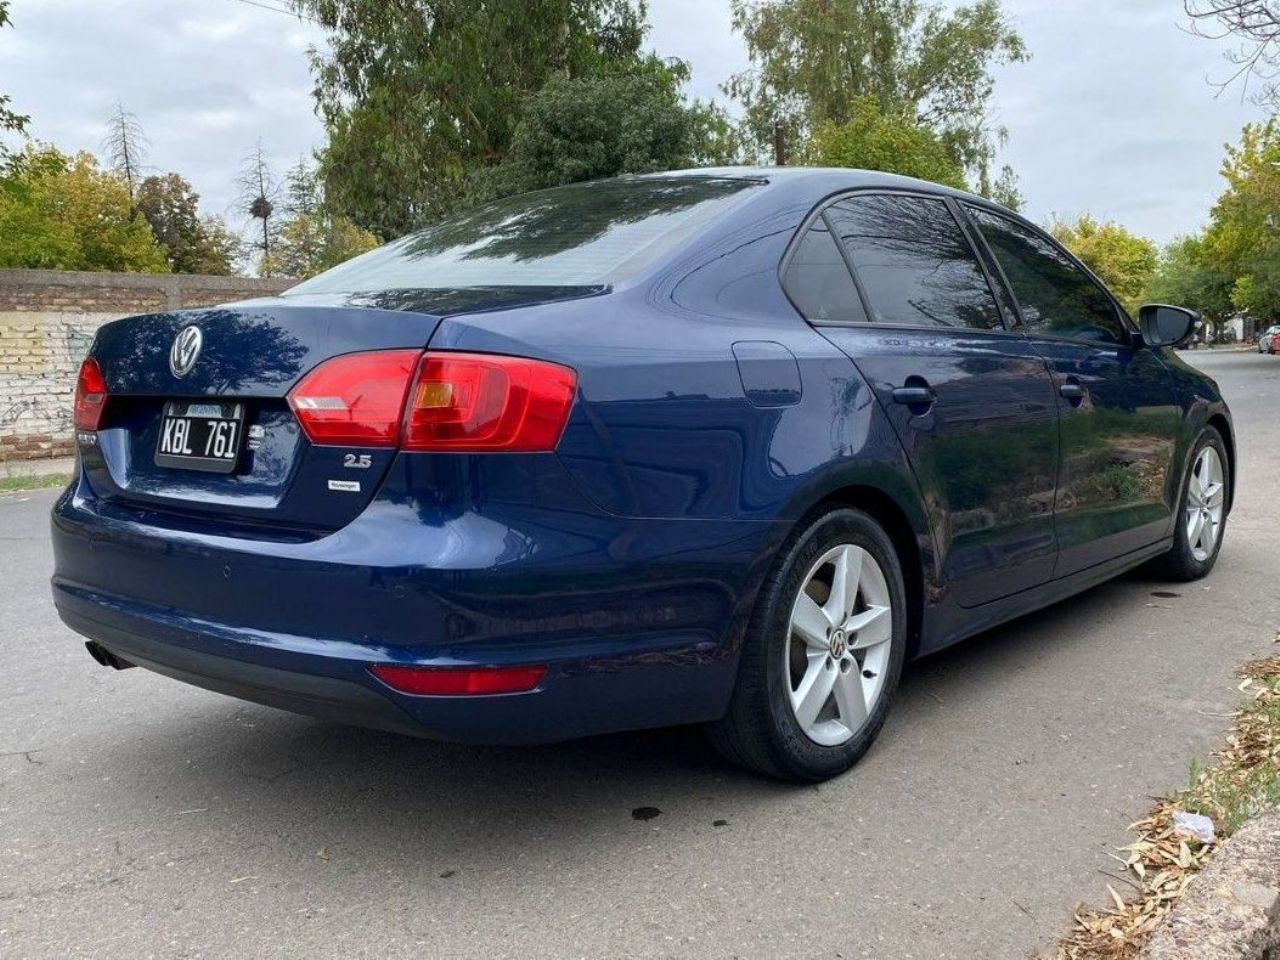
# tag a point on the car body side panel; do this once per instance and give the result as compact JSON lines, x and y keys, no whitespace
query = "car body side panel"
{"x":1117,"y":482}
{"x":985,"y":453}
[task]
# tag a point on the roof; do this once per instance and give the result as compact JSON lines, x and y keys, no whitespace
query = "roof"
{"x":821,"y":179}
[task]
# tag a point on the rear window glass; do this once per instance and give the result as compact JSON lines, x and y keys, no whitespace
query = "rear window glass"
{"x":914,"y":262}
{"x":587,"y":234}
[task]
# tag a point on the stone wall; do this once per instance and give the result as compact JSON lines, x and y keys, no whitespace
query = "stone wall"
{"x":47,"y":322}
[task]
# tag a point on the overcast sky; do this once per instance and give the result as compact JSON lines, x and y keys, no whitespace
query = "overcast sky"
{"x":1113,"y":115}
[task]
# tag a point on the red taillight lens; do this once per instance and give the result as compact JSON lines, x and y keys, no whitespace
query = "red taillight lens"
{"x":478,"y":402}
{"x":91,"y":395}
{"x":459,"y":681}
{"x":355,"y":400}
{"x":459,"y":402}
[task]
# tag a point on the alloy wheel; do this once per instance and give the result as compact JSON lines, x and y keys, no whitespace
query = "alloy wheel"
{"x":837,"y":654}
{"x":1206,"y":497}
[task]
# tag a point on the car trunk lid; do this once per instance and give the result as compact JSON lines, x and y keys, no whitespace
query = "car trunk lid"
{"x":249,"y":357}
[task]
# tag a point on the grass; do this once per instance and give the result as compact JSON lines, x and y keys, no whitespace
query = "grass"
{"x":14,"y":484}
{"x":1242,"y":781}
{"x":1245,"y":781}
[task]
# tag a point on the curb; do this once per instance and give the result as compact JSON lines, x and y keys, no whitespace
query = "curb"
{"x":37,"y":468}
{"x":1231,"y":909}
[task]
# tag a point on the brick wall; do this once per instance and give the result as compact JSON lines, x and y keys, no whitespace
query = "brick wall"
{"x":47,"y":322}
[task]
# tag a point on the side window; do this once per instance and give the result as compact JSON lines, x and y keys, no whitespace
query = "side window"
{"x":1056,"y":296}
{"x":818,"y":280}
{"x":914,"y":262}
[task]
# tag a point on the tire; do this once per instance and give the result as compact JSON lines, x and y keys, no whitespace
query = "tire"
{"x":762,"y":729}
{"x":1186,"y":560}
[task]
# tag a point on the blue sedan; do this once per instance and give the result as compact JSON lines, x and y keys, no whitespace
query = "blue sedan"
{"x":725,"y":447}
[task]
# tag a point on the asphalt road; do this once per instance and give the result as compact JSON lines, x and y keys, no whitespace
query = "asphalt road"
{"x":143,"y":818}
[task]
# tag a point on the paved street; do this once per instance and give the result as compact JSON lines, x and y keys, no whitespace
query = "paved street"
{"x":143,"y":818}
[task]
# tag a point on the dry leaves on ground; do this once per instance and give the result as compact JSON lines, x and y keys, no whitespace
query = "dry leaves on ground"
{"x":1160,"y":862}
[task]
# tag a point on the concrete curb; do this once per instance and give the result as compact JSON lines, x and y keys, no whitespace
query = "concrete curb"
{"x":37,"y":468}
{"x":1231,"y":910}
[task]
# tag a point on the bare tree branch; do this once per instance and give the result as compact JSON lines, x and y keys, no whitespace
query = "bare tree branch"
{"x":1255,"y":25}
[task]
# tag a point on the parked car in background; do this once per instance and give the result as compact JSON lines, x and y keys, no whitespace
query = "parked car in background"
{"x":1267,"y":340}
{"x":722,"y":447}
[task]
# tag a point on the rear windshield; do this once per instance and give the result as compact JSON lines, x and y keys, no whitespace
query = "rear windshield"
{"x":588,"y":234}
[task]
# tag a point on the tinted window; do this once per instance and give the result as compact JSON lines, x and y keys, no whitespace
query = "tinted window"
{"x":587,"y":234}
{"x":819,"y":282}
{"x":1056,"y":296}
{"x":914,"y":262}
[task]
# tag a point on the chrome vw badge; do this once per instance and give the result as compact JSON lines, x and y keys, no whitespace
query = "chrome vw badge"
{"x":185,"y":351}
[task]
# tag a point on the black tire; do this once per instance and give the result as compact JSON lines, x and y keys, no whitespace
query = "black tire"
{"x":1180,"y":563}
{"x":760,"y":730}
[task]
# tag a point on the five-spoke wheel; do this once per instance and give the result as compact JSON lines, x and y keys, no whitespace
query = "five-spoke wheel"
{"x":1206,"y":500}
{"x":838,"y":652}
{"x":823,"y":651}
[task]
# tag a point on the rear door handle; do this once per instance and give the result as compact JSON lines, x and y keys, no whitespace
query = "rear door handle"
{"x":914,"y":396}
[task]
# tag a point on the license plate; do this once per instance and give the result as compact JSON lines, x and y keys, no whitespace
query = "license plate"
{"x":200,"y":436}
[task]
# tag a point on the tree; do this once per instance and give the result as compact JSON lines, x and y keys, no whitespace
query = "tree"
{"x":871,"y":141}
{"x":417,"y":95}
{"x":1255,"y":24}
{"x":192,"y":244}
{"x":1122,"y":260}
{"x":1244,"y":233}
{"x":1189,"y":276}
{"x":813,"y":61}
{"x":625,"y":119}
{"x":10,"y":120}
{"x":259,"y":191}
{"x":64,"y":213}
{"x":312,"y":238}
{"x":126,"y":149}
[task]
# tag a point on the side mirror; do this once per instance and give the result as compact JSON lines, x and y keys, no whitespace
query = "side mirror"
{"x":1166,"y":326}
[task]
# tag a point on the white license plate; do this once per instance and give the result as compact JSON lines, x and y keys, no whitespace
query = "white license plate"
{"x":199,"y":435}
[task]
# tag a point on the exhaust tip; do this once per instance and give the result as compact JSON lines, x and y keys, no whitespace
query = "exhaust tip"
{"x":105,"y":657}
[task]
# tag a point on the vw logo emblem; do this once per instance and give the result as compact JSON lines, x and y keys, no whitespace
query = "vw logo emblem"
{"x":185,"y":350}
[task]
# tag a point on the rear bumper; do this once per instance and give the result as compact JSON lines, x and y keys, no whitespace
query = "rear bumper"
{"x":638,"y":620}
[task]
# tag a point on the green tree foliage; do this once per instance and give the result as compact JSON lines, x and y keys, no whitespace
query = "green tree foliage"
{"x":418,"y":94}
{"x":813,"y":61}
{"x":192,"y":244}
{"x":312,"y":238}
{"x":1190,"y":276}
{"x":624,"y":119}
{"x":64,"y":213}
{"x":1123,"y":261}
{"x":871,"y":141}
{"x":1244,"y":234}
{"x":10,"y":120}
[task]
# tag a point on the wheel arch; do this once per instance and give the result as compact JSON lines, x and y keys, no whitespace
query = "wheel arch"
{"x":1220,"y":423}
{"x":905,"y":535}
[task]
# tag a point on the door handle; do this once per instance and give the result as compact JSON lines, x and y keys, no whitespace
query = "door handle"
{"x":914,"y":395}
{"x":1071,"y":391}
{"x":918,"y":396}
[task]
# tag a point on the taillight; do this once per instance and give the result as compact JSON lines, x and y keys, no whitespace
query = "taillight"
{"x":91,"y":395}
{"x":356,"y":400}
{"x":459,"y":402}
{"x":478,"y":402}
{"x":458,"y":681}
